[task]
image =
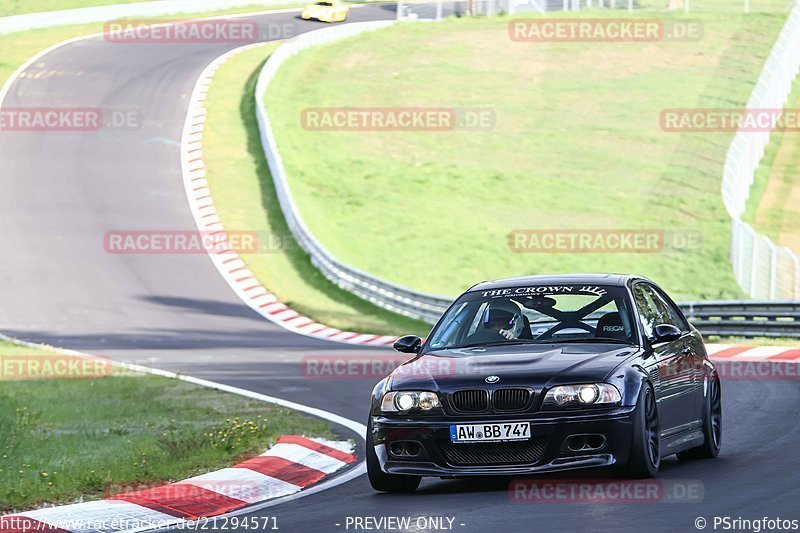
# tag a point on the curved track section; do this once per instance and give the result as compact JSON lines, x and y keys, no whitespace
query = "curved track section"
{"x":63,"y":191}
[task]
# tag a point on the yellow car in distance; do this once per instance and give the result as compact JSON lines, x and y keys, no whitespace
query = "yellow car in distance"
{"x":326,"y":11}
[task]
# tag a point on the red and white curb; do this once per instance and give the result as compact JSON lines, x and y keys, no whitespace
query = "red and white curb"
{"x":226,"y":259}
{"x":229,"y":264}
{"x":294,"y":468}
{"x":293,"y":464}
{"x":733,"y":352}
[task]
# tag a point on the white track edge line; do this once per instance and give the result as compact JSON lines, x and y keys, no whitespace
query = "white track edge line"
{"x":184,"y":142}
{"x":359,"y":429}
{"x":13,"y":77}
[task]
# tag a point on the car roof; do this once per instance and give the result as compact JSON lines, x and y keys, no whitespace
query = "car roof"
{"x":596,"y":279}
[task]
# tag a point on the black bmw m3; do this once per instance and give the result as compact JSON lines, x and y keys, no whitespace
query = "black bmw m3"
{"x":546,"y":373}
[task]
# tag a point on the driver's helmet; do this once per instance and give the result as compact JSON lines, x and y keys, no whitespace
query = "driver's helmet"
{"x":502,"y":314}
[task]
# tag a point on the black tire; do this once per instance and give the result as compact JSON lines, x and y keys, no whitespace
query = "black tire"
{"x":712,"y":425}
{"x":645,"y":457}
{"x":380,"y":480}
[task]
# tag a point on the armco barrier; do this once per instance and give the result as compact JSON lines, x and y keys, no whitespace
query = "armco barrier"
{"x":766,"y":318}
{"x":762,"y":269}
{"x":382,"y":293}
{"x":86,"y":15}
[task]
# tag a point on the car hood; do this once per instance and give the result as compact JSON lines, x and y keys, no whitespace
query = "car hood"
{"x":524,"y":365}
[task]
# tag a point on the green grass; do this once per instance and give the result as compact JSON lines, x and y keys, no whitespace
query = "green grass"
{"x":18,"y":7}
{"x":761,"y":341}
{"x":773,"y":208}
{"x":63,"y":439}
{"x":244,"y":196}
{"x":577,"y":145}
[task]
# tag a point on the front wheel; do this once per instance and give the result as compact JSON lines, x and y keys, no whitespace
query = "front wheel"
{"x":380,"y":480}
{"x":645,"y":456}
{"x":712,"y":425}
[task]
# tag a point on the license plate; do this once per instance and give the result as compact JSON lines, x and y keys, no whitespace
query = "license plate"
{"x":490,"y":432}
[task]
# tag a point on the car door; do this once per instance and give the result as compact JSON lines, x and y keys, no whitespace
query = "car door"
{"x":669,"y":367}
{"x":693,"y":350}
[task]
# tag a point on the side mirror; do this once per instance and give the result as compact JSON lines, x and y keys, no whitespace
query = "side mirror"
{"x":666,"y":333}
{"x":408,"y":344}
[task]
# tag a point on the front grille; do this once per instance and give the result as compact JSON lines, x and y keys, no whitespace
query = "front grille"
{"x":470,"y":401}
{"x":493,"y":453}
{"x":510,"y":399}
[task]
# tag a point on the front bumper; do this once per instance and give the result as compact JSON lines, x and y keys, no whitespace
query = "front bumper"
{"x":547,"y":451}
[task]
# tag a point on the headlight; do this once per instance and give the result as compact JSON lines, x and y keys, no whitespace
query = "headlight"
{"x":397,"y":401}
{"x":589,"y":394}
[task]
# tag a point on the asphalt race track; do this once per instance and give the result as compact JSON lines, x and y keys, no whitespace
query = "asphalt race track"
{"x":62,"y":191}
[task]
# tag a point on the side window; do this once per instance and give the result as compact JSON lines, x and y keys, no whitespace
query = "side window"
{"x":649,"y":312}
{"x":671,"y":315}
{"x":448,"y":334}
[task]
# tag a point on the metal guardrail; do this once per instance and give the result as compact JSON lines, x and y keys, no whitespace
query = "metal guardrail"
{"x":764,"y":318}
{"x":724,"y":318}
{"x":396,"y":298}
{"x":86,"y":15}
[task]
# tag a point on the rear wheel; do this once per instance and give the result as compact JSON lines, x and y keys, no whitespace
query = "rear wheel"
{"x":712,"y":425}
{"x":379,"y":479}
{"x":645,"y":456}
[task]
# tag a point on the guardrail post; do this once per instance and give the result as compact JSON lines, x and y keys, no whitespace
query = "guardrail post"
{"x":796,"y":288}
{"x":753,"y":264}
{"x":773,"y":274}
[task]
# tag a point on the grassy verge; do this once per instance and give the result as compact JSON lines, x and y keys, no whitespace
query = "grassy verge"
{"x":577,"y":144}
{"x":20,"y":46}
{"x":19,"y":7}
{"x":63,"y":439}
{"x":245,"y":198}
{"x":764,"y":341}
{"x":774,"y":204}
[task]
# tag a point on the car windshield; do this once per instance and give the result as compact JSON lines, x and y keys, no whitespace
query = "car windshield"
{"x":536,"y":314}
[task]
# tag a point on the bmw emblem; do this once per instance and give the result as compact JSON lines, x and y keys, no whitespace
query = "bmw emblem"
{"x":492,"y":379}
